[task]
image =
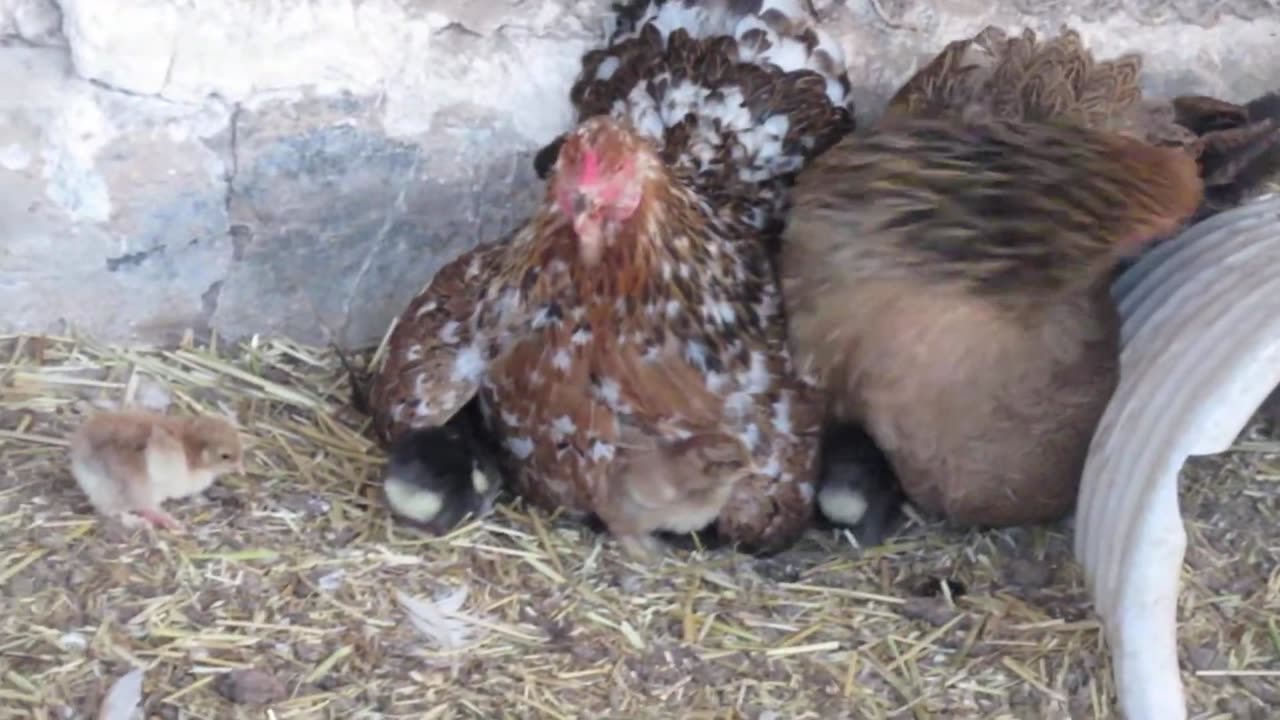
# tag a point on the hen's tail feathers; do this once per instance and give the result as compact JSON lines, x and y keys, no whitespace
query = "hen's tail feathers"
{"x":1057,"y":79}
{"x":1238,"y":147}
{"x":1022,"y":78}
{"x":734,"y":92}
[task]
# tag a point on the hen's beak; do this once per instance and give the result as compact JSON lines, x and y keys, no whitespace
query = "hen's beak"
{"x":587,"y":225}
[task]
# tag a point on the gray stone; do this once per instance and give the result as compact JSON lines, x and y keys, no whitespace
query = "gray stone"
{"x":303,"y":167}
{"x":337,"y":225}
{"x":34,"y":22}
{"x":112,"y":207}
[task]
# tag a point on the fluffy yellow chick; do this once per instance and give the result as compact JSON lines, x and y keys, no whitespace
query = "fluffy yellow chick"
{"x":129,"y":462}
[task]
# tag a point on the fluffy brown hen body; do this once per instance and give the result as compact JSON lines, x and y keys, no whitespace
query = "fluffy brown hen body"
{"x":948,"y":284}
{"x":947,"y":274}
{"x":628,"y":344}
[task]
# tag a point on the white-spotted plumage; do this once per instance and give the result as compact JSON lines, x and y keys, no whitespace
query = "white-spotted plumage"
{"x":469,"y":365}
{"x":659,"y":344}
{"x":521,"y":447}
{"x":703,"y":111}
{"x":449,"y":333}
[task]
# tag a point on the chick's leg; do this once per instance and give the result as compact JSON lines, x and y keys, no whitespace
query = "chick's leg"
{"x":624,"y":523}
{"x":160,"y":519}
{"x":643,"y":548}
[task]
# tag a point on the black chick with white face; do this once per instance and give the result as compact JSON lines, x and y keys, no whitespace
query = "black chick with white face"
{"x":857,"y":486}
{"x":435,"y":477}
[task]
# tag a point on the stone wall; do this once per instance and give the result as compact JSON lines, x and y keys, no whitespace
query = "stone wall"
{"x":276,"y":167}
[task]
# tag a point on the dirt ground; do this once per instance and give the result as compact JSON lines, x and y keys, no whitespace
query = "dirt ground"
{"x":294,"y":596}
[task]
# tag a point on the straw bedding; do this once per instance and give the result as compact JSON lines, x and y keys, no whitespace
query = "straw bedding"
{"x":294,"y":596}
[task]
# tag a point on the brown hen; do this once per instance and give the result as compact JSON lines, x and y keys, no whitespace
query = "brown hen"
{"x":628,"y":343}
{"x":948,"y":284}
{"x":1004,"y":332}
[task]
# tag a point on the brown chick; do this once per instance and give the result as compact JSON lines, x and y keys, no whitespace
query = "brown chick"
{"x":131,"y":461}
{"x":948,"y":284}
{"x":677,"y":487}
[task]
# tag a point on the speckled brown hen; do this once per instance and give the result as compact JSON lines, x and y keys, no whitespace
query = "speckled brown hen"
{"x":1049,"y":348}
{"x":628,"y":343}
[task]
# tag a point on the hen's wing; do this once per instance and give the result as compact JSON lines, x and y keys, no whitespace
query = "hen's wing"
{"x":772,"y":506}
{"x":441,"y":345}
{"x":1000,"y":208}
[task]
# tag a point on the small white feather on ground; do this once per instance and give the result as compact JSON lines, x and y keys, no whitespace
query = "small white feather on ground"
{"x":124,"y":698}
{"x":442,"y":621}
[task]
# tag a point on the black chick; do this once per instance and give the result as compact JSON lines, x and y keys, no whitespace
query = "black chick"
{"x":434,"y":477}
{"x":857,"y":487}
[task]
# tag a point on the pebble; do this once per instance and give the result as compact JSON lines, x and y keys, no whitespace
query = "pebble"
{"x":252,"y":687}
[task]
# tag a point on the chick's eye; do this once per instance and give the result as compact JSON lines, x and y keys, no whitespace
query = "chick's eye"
{"x":226,"y":456}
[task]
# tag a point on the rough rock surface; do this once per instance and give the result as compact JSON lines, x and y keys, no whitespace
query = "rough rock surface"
{"x":304,"y":166}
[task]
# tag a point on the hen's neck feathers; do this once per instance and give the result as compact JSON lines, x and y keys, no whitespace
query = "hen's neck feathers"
{"x":653,"y":252}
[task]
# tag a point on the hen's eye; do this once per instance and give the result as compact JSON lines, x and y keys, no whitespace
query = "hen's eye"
{"x":226,"y":456}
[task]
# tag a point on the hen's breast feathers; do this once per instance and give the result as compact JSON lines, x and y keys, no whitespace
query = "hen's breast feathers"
{"x":680,"y":333}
